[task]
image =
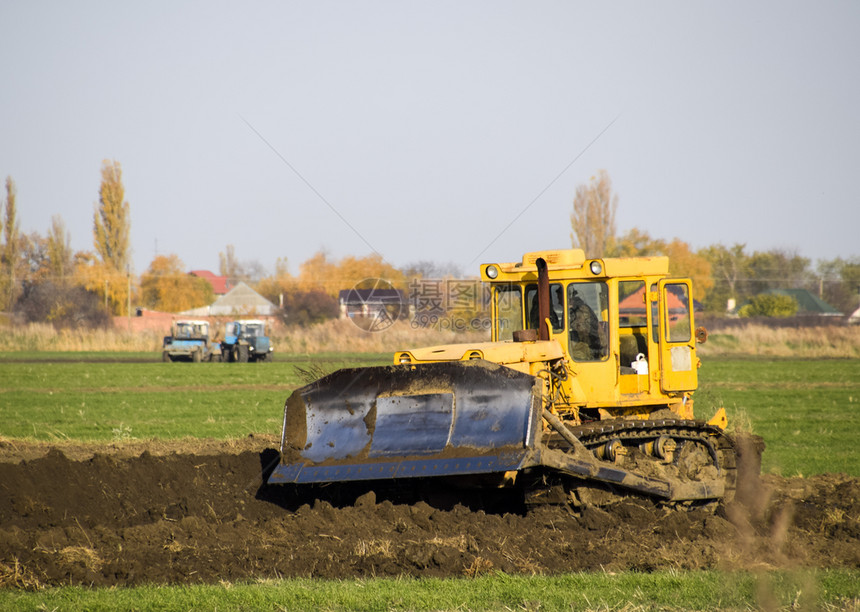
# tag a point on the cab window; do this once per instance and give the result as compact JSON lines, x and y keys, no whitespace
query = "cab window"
{"x":588,"y":316}
{"x":556,"y":307}
{"x":631,"y":304}
{"x":509,"y":311}
{"x":677,"y":299}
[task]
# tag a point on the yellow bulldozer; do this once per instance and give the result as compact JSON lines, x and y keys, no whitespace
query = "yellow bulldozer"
{"x":584,"y":390}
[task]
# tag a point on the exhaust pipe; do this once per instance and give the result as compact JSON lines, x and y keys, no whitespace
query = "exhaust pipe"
{"x":543,"y":299}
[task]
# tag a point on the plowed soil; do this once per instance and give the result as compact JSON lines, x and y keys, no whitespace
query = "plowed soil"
{"x":197,"y":512}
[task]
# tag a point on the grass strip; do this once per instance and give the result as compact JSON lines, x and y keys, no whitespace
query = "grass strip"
{"x":671,"y":590}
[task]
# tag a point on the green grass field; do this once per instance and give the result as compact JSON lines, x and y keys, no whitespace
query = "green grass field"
{"x":806,"y":410}
{"x":706,"y":590}
{"x":98,"y":400}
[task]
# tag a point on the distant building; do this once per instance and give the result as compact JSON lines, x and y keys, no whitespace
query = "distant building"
{"x":633,"y":306}
{"x":220,"y":284}
{"x":854,"y":317}
{"x":371,"y":303}
{"x":241,"y":300}
{"x":807,"y":303}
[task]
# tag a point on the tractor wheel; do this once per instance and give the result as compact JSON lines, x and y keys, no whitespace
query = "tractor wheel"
{"x":165,"y":357}
{"x":195,"y":356}
{"x":242,"y":356}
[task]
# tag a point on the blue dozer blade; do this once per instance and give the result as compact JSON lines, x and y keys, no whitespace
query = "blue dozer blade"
{"x":436,"y":419}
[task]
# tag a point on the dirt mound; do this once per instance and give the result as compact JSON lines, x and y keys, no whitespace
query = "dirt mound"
{"x":110,"y":517}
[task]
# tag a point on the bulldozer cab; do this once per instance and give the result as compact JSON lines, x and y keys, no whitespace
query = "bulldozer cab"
{"x":626,"y":328}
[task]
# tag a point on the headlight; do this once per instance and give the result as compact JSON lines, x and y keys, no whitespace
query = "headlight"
{"x":405,"y":358}
{"x":596,"y":267}
{"x":492,"y":272}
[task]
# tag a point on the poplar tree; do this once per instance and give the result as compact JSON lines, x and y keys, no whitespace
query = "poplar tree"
{"x":109,"y":275}
{"x":111,"y":221}
{"x":10,"y":250}
{"x":593,"y":217}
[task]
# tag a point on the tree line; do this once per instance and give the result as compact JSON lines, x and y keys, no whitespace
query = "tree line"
{"x":721,"y":274}
{"x":43,"y":280}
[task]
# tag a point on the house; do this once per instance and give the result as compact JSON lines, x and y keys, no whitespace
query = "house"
{"x":807,"y":303}
{"x":854,"y":317}
{"x":372,"y":303}
{"x":241,"y":300}
{"x":632,"y":308}
{"x":220,"y":284}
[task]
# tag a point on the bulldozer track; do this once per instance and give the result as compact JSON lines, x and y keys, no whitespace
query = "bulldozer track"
{"x":720,"y":446}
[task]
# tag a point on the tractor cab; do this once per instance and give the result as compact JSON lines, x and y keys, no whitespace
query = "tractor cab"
{"x":191,"y":329}
{"x":626,"y":329}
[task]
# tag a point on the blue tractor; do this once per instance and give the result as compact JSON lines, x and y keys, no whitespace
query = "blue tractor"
{"x":190,"y":341}
{"x":246,"y":341}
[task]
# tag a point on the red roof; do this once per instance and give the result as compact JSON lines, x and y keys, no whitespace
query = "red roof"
{"x":220,"y":285}
{"x":635,"y":303}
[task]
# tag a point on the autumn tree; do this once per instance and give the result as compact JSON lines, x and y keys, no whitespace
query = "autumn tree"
{"x":234,"y":270}
{"x":166,"y":286}
{"x":59,"y":250}
{"x":769,"y":305}
{"x":301,"y":304}
{"x":839,"y":283}
{"x":9,"y":253}
{"x":62,"y":305}
{"x":302,"y":308}
{"x":352,"y":270}
{"x":318,"y":272}
{"x":593,"y":217}
{"x":112,"y":221}
{"x":682,"y":260}
{"x":636,"y":243}
{"x":33,"y":259}
{"x":729,"y":272}
{"x":432,"y":270}
{"x":228,"y":265}
{"x":779,"y":269}
{"x":110,"y":274}
{"x":275,"y":286}
{"x":311,"y":296}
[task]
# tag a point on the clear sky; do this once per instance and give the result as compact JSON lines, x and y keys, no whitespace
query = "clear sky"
{"x":422,"y":130}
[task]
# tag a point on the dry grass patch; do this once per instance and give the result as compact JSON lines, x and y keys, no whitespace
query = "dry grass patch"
{"x":83,"y":555}
{"x":17,"y":576}
{"x":479,"y":566}
{"x":371,"y":548}
{"x":463,"y":543}
{"x":342,"y":336}
{"x":335,"y":336}
{"x":806,"y":342}
{"x":43,"y":337}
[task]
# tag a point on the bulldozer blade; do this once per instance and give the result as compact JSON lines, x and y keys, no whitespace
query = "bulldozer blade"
{"x":434,"y":419}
